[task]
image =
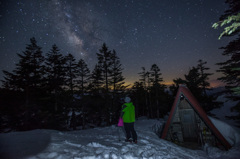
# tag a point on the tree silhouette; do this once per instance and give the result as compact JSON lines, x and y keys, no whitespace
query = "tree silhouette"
{"x":70,"y":71}
{"x":55,"y":72}
{"x":176,"y":83}
{"x":82,"y":78}
{"x":196,"y":81}
{"x":96,"y":79}
{"x":83,"y":75}
{"x":145,"y":80}
{"x":157,"y":89}
{"x":28,"y":75}
{"x":204,"y":77}
{"x":230,"y":68}
{"x":117,"y":79}
{"x":104,"y":61}
{"x":193,"y":81}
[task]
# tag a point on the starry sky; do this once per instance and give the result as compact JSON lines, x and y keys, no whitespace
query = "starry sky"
{"x":174,"y":34}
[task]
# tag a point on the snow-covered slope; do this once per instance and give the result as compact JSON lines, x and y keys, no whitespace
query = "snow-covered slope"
{"x":100,"y":143}
{"x":231,"y":133}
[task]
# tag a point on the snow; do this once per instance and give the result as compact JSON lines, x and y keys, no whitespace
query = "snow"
{"x":102,"y":143}
{"x":230,"y":133}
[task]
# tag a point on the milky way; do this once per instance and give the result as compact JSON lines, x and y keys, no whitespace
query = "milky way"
{"x":78,"y":25}
{"x":172,"y":34}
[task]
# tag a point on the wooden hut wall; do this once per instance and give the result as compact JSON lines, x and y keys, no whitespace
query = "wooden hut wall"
{"x":203,"y":132}
{"x":175,"y":130}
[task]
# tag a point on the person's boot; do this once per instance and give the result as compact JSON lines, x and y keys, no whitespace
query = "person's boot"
{"x":128,"y":140}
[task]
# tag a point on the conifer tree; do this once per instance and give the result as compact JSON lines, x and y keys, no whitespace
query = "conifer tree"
{"x":96,"y":79}
{"x":145,"y":80}
{"x":29,"y":72}
{"x":230,"y":20}
{"x":70,"y":72}
{"x":27,"y":77}
{"x":157,"y":89}
{"x":55,"y":72}
{"x":176,"y":83}
{"x":196,"y":81}
{"x":105,"y":62}
{"x":144,"y":77}
{"x":117,"y":79}
{"x":204,"y":76}
{"x":116,"y":83}
{"x":228,"y":68}
{"x":155,"y":75}
{"x":82,"y":75}
{"x":193,"y":81}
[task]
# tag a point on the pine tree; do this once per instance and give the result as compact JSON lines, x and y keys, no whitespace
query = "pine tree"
{"x":145,"y":80}
{"x":176,"y":83}
{"x":10,"y":82}
{"x":230,"y":68}
{"x":232,"y":50}
{"x":82,"y":75}
{"x":105,"y":62}
{"x":193,"y":81}
{"x":96,"y":79}
{"x":204,"y":77}
{"x":27,"y":77}
{"x":157,"y":89}
{"x":155,"y":75}
{"x":117,"y":84}
{"x":196,"y":81}
{"x":231,"y":18}
{"x":96,"y":86}
{"x":29,"y":72}
{"x":144,"y":77}
{"x":55,"y":72}
{"x":117,"y":79}
{"x":70,"y":72}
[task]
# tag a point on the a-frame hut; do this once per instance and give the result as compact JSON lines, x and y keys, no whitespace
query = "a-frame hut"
{"x":188,"y":122}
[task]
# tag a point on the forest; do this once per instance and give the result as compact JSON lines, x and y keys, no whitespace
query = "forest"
{"x":54,"y":91}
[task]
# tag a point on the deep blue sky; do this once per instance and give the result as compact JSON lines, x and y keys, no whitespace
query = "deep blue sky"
{"x":174,"y":34}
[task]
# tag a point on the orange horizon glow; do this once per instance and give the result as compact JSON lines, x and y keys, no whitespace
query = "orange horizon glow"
{"x":213,"y":83}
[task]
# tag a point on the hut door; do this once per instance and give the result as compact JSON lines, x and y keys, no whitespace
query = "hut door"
{"x":188,"y":124}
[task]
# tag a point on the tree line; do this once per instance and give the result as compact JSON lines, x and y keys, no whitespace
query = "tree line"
{"x":42,"y":90}
{"x":59,"y":92}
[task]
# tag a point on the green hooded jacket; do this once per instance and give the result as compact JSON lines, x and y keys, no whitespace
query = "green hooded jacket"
{"x":128,"y":111}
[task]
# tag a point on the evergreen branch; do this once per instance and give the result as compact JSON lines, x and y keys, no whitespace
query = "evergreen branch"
{"x":234,"y":19}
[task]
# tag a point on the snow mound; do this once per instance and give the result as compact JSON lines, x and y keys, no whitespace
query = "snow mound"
{"x":231,"y":134}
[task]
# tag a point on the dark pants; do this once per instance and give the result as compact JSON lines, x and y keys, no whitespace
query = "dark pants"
{"x":130,"y":131}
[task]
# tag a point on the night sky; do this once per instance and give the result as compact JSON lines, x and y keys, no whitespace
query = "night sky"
{"x":174,"y":34}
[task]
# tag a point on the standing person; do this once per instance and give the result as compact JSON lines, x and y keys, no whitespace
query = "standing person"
{"x":128,"y":116}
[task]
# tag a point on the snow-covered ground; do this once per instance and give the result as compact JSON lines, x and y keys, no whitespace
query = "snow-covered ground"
{"x":101,"y":143}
